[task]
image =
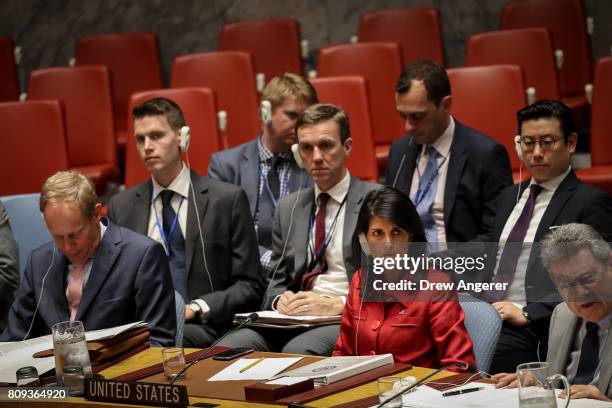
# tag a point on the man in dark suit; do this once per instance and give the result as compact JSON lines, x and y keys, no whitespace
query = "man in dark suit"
{"x":579,"y":262}
{"x":9,"y":266}
{"x":452,"y":173}
{"x":94,"y":271}
{"x":313,"y":260}
{"x":264,"y":167}
{"x":525,"y":214}
{"x":203,"y":224}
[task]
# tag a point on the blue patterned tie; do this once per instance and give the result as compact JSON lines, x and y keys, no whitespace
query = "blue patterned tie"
{"x":176,"y":246}
{"x":425,"y":195}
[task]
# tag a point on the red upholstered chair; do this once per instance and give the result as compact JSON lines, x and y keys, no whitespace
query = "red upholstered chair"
{"x":274,"y":44}
{"x":492,"y":113}
{"x":566,"y":21}
{"x":381,"y":65}
{"x":600,"y":173}
{"x":198,"y":106}
{"x":133,"y":60}
{"x":33,"y":145}
{"x":529,"y":48}
{"x":417,"y":30}
{"x":350,"y":93}
{"x":86,"y":95}
{"x":9,"y":84}
{"x":230,"y":74}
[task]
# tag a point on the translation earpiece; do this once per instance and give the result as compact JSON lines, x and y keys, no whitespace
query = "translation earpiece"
{"x":295,"y":149}
{"x":517,"y":146}
{"x":184,"y":139}
{"x":265,"y":112}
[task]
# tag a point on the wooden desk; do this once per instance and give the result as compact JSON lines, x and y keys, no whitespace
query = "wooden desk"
{"x":153,"y":355}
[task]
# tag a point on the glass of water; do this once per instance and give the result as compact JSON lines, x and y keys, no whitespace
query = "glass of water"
{"x":174,"y":362}
{"x":537,"y":386}
{"x":70,"y":348}
{"x":387,"y":386}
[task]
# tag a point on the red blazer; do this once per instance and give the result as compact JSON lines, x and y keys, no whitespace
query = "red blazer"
{"x":422,"y":333}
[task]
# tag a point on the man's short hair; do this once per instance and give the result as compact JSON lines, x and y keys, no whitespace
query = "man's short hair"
{"x":548,"y":108}
{"x":72,"y":187}
{"x":434,"y":78}
{"x":566,"y":241}
{"x":289,"y":85}
{"x":161,"y":107}
{"x":322,"y":112}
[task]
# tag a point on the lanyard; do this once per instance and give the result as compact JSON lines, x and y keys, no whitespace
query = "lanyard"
{"x":421,"y":193}
{"x":268,"y":191}
{"x":165,"y":238}
{"x":315,"y":258}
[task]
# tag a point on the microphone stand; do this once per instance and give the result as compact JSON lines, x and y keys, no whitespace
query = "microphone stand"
{"x":204,"y":353}
{"x":422,"y":380}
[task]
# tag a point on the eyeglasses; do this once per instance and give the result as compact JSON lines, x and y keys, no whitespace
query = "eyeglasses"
{"x":547,"y":143}
{"x":586,"y":281}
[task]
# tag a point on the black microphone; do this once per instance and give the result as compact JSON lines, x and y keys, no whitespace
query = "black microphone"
{"x":250,"y":319}
{"x":407,"y":388}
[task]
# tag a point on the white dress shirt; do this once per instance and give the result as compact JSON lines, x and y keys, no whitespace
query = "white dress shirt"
{"x":334,"y":281}
{"x":516,"y":291}
{"x":442,"y":146}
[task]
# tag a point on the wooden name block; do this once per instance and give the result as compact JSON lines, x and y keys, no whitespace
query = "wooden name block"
{"x":162,"y":395}
{"x":272,"y":390}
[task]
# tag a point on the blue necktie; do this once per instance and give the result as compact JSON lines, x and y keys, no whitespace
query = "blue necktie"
{"x":425,"y":195}
{"x":175,"y":244}
{"x":265,"y":214}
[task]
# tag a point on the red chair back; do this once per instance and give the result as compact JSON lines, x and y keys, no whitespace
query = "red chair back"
{"x":417,"y":30}
{"x":9,"y":83}
{"x":274,"y":44}
{"x":601,"y":135}
{"x":230,"y":74}
{"x":33,"y":145}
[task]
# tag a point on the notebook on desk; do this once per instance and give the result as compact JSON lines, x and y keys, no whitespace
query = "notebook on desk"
{"x":271,"y":318}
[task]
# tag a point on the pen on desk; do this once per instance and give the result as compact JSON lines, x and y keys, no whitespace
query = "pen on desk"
{"x":254,"y":363}
{"x":459,"y":392}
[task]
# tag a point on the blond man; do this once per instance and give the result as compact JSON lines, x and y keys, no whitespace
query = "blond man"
{"x":264,"y":167}
{"x":93,"y":270}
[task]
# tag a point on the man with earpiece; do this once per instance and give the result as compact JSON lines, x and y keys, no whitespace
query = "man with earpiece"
{"x":525,"y":213}
{"x":204,"y":225}
{"x":94,"y":271}
{"x":264,"y":167}
{"x":452,"y":173}
{"x":312,"y":255}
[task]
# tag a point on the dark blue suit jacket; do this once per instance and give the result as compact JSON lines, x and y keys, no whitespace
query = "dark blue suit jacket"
{"x":478,"y":170}
{"x":129,"y":281}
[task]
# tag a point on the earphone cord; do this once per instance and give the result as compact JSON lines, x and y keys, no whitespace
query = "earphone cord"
{"x":42,"y":288}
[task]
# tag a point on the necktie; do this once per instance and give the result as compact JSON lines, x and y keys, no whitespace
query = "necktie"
{"x":425,"y":195}
{"x":265,"y":215}
{"x":175,"y":244}
{"x":320,"y":266}
{"x":589,"y":355}
{"x":74,"y":290}
{"x":510,"y":255}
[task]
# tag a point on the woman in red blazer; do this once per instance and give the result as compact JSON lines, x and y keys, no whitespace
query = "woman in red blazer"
{"x":423,"y":329}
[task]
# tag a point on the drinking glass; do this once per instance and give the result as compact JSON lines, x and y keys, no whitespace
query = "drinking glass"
{"x":70,"y":348}
{"x":537,"y":386}
{"x":174,"y":362}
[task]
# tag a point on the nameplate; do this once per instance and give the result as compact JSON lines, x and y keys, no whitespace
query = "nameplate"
{"x":163,"y":395}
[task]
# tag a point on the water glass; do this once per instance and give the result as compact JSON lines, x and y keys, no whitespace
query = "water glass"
{"x":537,"y":386}
{"x":387,"y":386}
{"x":74,"y":380}
{"x":174,"y":362}
{"x":70,"y":348}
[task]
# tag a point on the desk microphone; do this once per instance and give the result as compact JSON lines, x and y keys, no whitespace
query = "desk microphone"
{"x":407,"y":388}
{"x":204,"y":353}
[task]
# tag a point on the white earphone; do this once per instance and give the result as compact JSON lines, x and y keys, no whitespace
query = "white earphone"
{"x":295,"y":149}
{"x":265,"y":112}
{"x":518,"y":147}
{"x":184,"y":139}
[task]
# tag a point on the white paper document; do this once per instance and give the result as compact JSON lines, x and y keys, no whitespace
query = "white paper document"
{"x":266,"y":368}
{"x":427,"y":397}
{"x":14,"y":355}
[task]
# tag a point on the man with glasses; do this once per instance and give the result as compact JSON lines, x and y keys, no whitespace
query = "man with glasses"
{"x":525,"y":214}
{"x":579,"y":262}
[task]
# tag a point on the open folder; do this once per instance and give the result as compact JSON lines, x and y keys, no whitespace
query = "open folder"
{"x":271,"y":318}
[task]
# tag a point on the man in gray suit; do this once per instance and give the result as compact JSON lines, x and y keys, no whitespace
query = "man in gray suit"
{"x":312,"y":260}
{"x":204,"y":226}
{"x":264,"y":167}
{"x":9,"y":267}
{"x":579,"y":262}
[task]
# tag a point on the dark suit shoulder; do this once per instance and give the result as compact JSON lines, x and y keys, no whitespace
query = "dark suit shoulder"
{"x":220,"y":189}
{"x":231,"y":154}
{"x":138,"y":189}
{"x":475,"y":140}
{"x":128,"y":237}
